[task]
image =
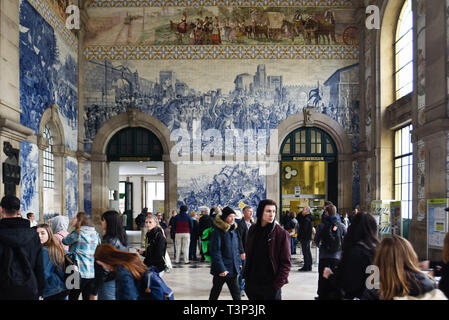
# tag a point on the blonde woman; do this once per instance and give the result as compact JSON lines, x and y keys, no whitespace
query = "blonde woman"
{"x":53,"y":259}
{"x":400,"y":275}
{"x":155,"y":244}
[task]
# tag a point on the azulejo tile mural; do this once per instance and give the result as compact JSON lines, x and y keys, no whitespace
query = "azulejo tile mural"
{"x":53,"y":12}
{"x":29,"y":180}
{"x":71,"y":186}
{"x":48,"y":74}
{"x":222,"y":94}
{"x":220,"y":25}
{"x":200,"y":185}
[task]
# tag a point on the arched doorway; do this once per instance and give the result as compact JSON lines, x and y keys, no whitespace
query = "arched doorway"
{"x":133,"y":119}
{"x":136,"y":172}
{"x":343,"y":149}
{"x":308,"y":170}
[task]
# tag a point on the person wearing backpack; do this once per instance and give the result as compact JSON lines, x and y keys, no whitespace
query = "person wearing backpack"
{"x":329,"y":237}
{"x":54,"y":265}
{"x":22,"y":269}
{"x":115,"y":235}
{"x":135,"y":281}
{"x":204,"y":223}
{"x":82,"y":243}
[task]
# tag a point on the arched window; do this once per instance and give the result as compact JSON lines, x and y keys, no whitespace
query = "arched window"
{"x":403,"y":51}
{"x":49,"y":161}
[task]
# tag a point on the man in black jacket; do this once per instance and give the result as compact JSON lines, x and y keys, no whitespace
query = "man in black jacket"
{"x":242,"y":231}
{"x":305,"y":237}
{"x":21,"y":246}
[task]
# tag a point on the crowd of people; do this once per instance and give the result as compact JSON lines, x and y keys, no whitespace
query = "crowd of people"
{"x":252,"y":255}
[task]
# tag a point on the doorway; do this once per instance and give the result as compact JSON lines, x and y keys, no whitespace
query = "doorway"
{"x":134,"y":158}
{"x":308,"y":171}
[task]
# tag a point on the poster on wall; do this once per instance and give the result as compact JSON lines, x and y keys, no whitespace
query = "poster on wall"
{"x":396,"y":218}
{"x":158,"y":206}
{"x":437,"y":222}
{"x":380,"y":209}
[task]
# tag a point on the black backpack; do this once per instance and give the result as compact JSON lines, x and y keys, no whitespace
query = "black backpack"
{"x":17,"y":278}
{"x":332,"y":237}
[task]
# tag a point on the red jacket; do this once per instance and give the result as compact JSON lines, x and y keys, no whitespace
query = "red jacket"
{"x":280,"y":255}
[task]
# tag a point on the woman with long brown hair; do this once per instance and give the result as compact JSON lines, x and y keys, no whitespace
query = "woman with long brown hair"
{"x":53,"y":259}
{"x":127,"y":266}
{"x":82,"y":242}
{"x":400,"y":275}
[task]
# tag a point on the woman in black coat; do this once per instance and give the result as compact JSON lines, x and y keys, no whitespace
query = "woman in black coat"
{"x":155,"y":244}
{"x":359,"y":248}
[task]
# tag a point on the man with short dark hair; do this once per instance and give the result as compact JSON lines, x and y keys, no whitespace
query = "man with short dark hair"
{"x":30,"y":216}
{"x":19,"y":243}
{"x":329,"y":237}
{"x":268,"y":257}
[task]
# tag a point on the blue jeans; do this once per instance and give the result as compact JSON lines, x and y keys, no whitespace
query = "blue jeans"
{"x":107,"y":291}
{"x":293,"y":245}
{"x":241,"y":280}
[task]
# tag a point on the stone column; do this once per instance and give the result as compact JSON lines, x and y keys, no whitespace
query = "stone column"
{"x":100,"y":194}
{"x":170,"y":185}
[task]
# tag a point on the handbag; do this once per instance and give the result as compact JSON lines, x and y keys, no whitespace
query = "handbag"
{"x":167,"y":261}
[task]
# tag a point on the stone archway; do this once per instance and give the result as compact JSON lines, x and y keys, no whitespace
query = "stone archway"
{"x":100,"y":171}
{"x":337,"y":133}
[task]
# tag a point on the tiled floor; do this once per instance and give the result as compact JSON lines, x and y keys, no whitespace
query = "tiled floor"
{"x":194,"y":281}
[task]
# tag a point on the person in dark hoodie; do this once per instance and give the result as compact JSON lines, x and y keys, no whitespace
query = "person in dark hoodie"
{"x":359,"y":248}
{"x":400,"y":277}
{"x":329,"y":237}
{"x":305,"y":237}
{"x":18,"y":241}
{"x":183,"y":224}
{"x":224,"y":251}
{"x":268,"y":257}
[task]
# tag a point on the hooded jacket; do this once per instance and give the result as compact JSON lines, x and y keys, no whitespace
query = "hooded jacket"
{"x":83,"y":246}
{"x":59,"y":225}
{"x":279,"y":252}
{"x":16,"y":232}
{"x":224,"y":248}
